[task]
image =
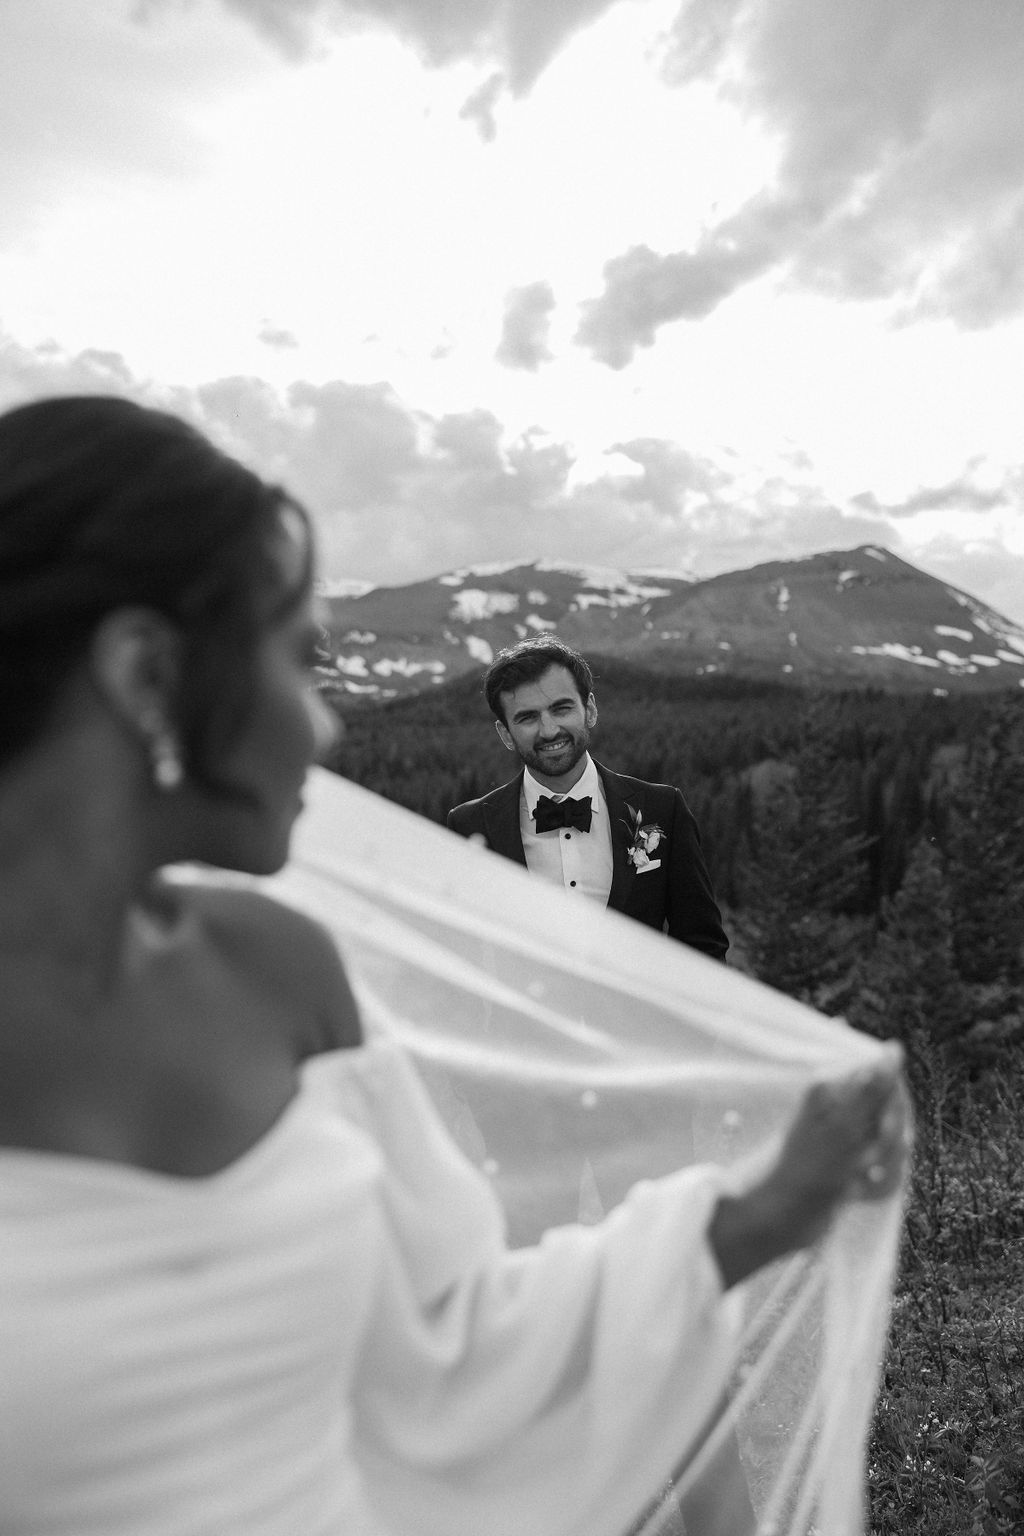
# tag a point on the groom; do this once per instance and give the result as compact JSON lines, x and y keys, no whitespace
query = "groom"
{"x":630,"y":845}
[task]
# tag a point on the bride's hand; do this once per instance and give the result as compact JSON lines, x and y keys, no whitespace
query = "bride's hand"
{"x":850,"y":1141}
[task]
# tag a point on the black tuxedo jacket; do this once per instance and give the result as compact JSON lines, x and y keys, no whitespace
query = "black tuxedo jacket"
{"x":677,"y":897}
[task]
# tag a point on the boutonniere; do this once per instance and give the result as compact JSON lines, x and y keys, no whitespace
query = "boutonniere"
{"x":645,"y":838}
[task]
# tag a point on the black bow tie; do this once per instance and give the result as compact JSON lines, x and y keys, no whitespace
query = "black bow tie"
{"x":562,"y":813}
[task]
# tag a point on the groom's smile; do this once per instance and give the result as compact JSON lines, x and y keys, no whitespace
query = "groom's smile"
{"x":547,"y":724}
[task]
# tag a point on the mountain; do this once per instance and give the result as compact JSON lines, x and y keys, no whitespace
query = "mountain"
{"x":846,"y":618}
{"x":394,"y":640}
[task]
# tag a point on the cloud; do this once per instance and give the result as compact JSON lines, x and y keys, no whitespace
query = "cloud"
{"x":982,"y":567}
{"x":520,"y":36}
{"x":399,"y":494}
{"x":31,"y":373}
{"x":670,"y":479}
{"x":644,"y":291}
{"x":900,"y":172}
{"x":277,"y":336}
{"x":711,"y":515}
{"x":115,"y":101}
{"x":961,"y":495}
{"x":524,"y":332}
{"x":479,"y":107}
{"x":354,"y":446}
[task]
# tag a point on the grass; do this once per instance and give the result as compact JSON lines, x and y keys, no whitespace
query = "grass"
{"x":946,"y":1454}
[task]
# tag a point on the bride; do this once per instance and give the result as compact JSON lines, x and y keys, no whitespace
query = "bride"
{"x":249,"y":1283}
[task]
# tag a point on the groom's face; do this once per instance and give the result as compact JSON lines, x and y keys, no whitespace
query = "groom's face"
{"x":549,"y":726}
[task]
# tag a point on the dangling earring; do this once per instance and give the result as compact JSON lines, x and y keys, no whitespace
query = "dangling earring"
{"x":164,"y":755}
{"x":166,"y":760}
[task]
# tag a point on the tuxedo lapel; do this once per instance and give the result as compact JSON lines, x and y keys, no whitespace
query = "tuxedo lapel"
{"x":623,"y":873}
{"x":501,"y":821}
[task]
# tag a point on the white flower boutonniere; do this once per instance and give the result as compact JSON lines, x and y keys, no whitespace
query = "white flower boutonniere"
{"x":645,"y":839}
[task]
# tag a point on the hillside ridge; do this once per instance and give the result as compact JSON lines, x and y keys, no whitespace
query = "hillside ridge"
{"x":861,"y":617}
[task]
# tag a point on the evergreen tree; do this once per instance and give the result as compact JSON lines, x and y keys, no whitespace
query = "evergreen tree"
{"x":908,"y":989}
{"x":807,"y":878}
{"x":986,"y":850}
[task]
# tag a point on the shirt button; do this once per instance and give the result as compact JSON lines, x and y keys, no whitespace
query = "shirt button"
{"x":572,"y":882}
{"x":568,"y":835}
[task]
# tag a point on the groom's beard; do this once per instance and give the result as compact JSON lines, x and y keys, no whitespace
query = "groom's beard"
{"x":554,"y":764}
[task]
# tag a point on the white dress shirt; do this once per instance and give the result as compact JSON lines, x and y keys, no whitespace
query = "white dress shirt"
{"x":581,"y":862}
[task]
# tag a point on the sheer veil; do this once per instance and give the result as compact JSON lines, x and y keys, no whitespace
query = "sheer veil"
{"x":573,"y":1052}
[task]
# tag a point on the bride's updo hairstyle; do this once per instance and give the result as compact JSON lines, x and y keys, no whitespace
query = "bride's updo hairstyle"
{"x":105,"y":504}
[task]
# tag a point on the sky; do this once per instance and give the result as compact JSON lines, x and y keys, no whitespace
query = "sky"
{"x":657,"y":284}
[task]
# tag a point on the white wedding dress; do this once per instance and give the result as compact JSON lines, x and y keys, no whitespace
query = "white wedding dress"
{"x":332,"y":1336}
{"x":329,"y":1337}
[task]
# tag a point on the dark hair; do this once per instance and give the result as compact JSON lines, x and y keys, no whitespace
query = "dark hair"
{"x":106,"y":504}
{"x":529,"y":660}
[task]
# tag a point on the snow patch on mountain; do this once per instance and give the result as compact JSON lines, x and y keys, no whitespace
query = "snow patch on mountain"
{"x":473,"y":605}
{"x":390,"y":666}
{"x":479,"y":649}
{"x":406,"y":640}
{"x":629,"y":586}
{"x":911,"y":653}
{"x":341,"y":587}
{"x":989,"y":623}
{"x":584,"y":600}
{"x":626,"y":594}
{"x":493,"y":568}
{"x":369,"y":689}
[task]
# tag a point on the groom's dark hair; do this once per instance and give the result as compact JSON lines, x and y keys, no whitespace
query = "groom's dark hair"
{"x":529,"y":660}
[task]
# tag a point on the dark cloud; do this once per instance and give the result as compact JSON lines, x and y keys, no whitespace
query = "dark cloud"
{"x":524,"y":331}
{"x":901,"y":170}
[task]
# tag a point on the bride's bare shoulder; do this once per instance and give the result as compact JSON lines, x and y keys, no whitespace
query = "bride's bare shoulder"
{"x":282,"y":950}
